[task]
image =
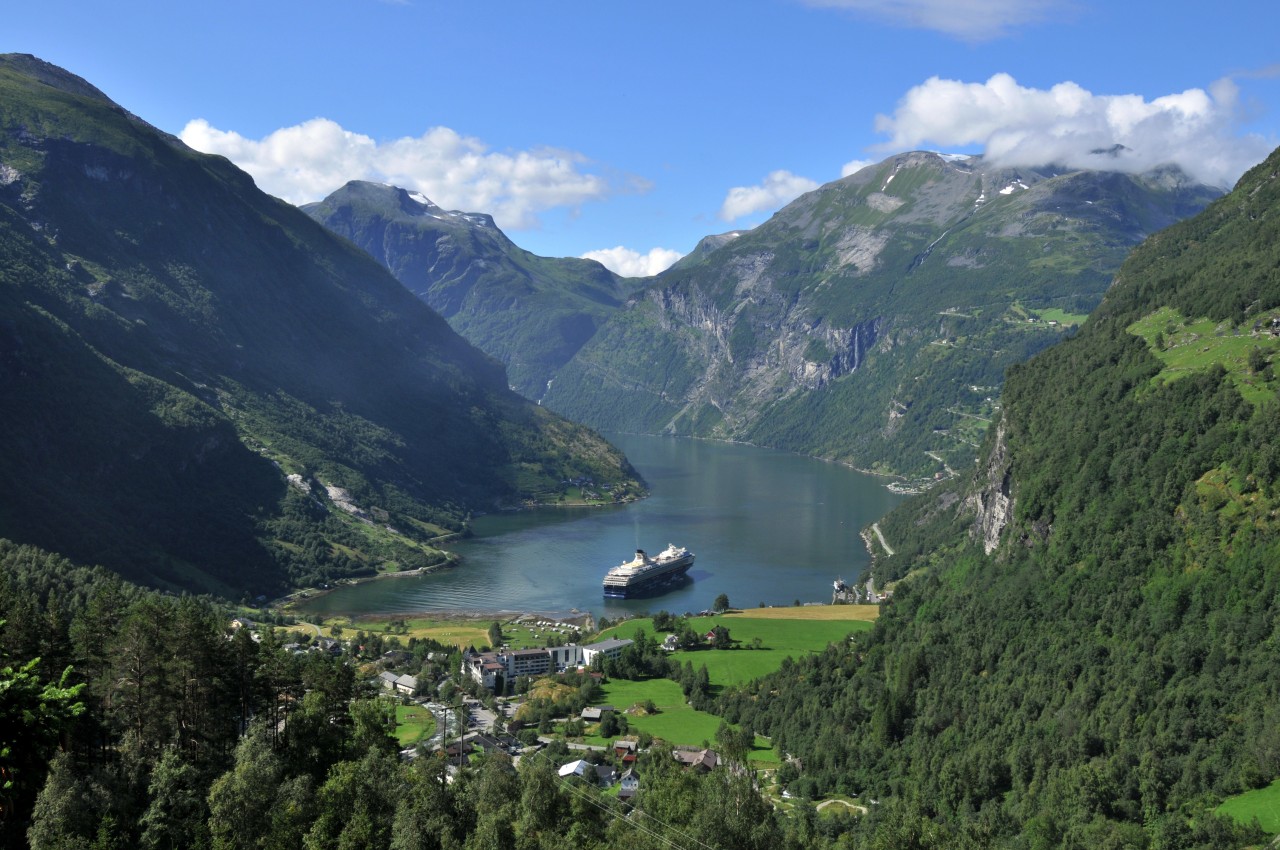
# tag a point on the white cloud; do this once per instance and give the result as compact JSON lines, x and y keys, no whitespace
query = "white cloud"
{"x":629,"y":263}
{"x":778,"y":189}
{"x":853,"y":166}
{"x":308,"y":161}
{"x":1067,"y":125}
{"x":970,"y":20}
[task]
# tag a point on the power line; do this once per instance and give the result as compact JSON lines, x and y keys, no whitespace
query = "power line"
{"x":594,"y":800}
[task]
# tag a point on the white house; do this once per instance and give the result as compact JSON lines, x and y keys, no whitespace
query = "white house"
{"x":630,"y":784}
{"x":576,"y":768}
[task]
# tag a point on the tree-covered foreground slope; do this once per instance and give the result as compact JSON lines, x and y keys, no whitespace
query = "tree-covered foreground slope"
{"x":532,"y":313}
{"x":1082,"y":650}
{"x":871,"y":321}
{"x":204,"y":388}
{"x":168,"y":732}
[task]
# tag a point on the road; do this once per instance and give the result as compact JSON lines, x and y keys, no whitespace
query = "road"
{"x":875,"y":526}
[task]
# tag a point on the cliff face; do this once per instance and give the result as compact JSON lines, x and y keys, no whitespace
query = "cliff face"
{"x":991,"y":499}
{"x":871,"y":320}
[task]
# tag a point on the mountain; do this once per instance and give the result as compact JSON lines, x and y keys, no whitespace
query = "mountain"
{"x":871,"y":320}
{"x":1081,"y":645}
{"x":532,"y":313}
{"x":705,"y":247}
{"x":205,"y":389}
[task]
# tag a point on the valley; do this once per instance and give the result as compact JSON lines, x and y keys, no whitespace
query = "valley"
{"x":215,"y":398}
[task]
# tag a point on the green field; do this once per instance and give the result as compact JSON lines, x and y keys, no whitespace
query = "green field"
{"x":413,"y":724}
{"x":1062,"y":317}
{"x":781,"y":633}
{"x":676,"y":721}
{"x":779,"y":638}
{"x":1261,"y":803}
{"x":1193,"y":346}
{"x":526,"y":635}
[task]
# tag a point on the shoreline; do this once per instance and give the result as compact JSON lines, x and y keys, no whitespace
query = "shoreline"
{"x":894,"y":475}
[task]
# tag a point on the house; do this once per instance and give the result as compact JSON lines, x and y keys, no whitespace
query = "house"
{"x":605,"y":775}
{"x":630,"y":784}
{"x":625,"y":750}
{"x":387,"y":680}
{"x":671,"y":644}
{"x":692,"y":757}
{"x":575,"y":768}
{"x":407,"y":684}
{"x":484,"y":667}
{"x":243,"y":623}
{"x":594,"y":714}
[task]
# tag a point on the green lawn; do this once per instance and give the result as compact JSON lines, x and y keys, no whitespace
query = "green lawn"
{"x":676,"y":721}
{"x":781,"y":635}
{"x":413,"y":724}
{"x":779,"y":639}
{"x":528,"y":636}
{"x":1193,"y":346}
{"x":1062,"y":317}
{"x":1261,"y":803}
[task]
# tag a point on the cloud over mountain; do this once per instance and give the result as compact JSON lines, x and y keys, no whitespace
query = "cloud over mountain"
{"x":778,"y":189}
{"x":307,"y":161}
{"x":1070,"y":126}
{"x":629,"y":263}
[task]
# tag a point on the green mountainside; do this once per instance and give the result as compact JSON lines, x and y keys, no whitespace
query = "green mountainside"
{"x":871,"y":321}
{"x":532,"y":313}
{"x":1081,"y":648}
{"x":203,"y":388}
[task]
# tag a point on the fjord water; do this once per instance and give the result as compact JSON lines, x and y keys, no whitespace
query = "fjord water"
{"x":766,"y":526}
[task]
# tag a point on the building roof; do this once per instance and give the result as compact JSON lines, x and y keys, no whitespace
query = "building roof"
{"x":692,"y":757}
{"x":575,"y":768}
{"x":606,"y":645}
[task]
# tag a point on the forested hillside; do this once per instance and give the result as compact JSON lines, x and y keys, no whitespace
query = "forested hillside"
{"x":532,"y":313}
{"x":168,"y":732}
{"x":1106,"y":674}
{"x":204,"y":389}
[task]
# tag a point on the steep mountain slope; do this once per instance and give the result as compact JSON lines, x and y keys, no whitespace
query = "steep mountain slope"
{"x":532,"y":313}
{"x":1084,"y":651}
{"x":174,"y":343}
{"x":871,"y":321}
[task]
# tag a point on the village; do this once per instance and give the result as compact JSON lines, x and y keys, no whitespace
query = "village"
{"x":539,"y":688}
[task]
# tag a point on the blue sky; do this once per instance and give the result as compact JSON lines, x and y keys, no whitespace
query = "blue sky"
{"x":629,"y":131}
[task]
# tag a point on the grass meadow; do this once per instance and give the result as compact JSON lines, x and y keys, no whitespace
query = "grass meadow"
{"x":1261,"y":803}
{"x":413,"y":724}
{"x":781,"y":632}
{"x":1193,"y":346}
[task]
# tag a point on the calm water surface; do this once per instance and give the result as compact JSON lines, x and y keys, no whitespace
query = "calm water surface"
{"x":766,"y":526}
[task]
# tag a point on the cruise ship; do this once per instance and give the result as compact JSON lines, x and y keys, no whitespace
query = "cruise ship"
{"x":643,"y":574}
